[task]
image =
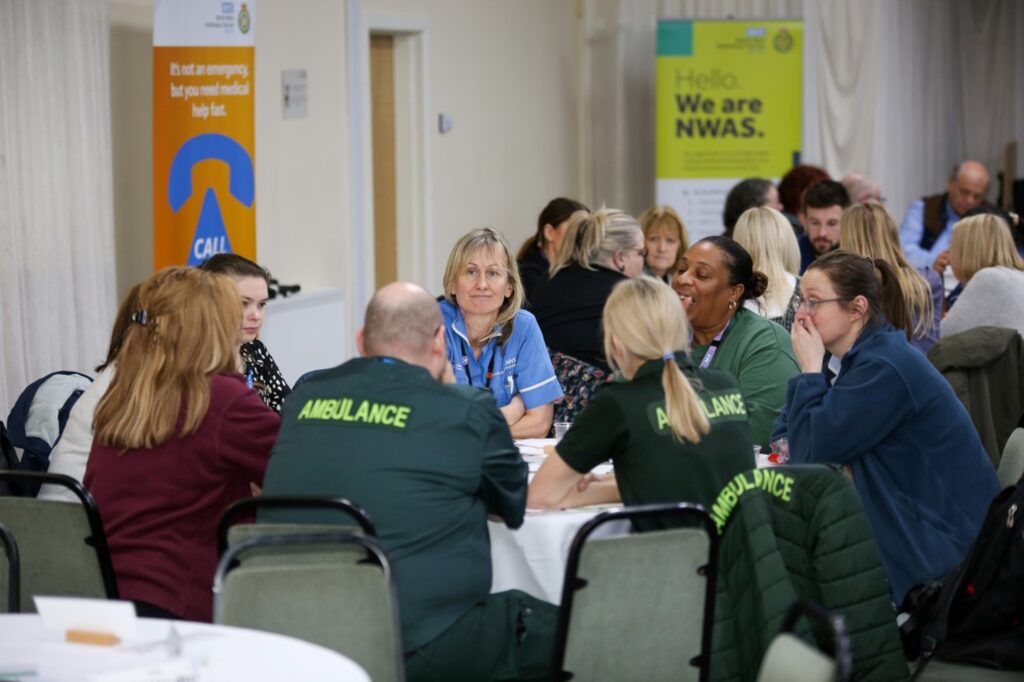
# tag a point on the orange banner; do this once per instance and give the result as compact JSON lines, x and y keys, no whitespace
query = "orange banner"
{"x":203,"y":150}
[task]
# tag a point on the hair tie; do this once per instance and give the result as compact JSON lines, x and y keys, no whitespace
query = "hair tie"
{"x":668,"y":356}
{"x":140,"y":317}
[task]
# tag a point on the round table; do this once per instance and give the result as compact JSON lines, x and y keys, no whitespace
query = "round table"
{"x":212,"y":652}
{"x":532,"y":558}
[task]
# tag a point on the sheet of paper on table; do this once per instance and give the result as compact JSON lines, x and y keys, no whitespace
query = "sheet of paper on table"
{"x":60,"y":614}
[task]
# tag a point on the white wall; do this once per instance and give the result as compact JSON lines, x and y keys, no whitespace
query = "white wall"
{"x":505,"y":71}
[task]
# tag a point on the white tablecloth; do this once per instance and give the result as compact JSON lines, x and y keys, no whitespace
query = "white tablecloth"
{"x":532,"y":558}
{"x":216,"y":652}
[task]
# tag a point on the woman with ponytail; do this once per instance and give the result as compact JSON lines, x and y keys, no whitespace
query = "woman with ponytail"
{"x":868,"y":400}
{"x":674,"y":432}
{"x":598,"y":251}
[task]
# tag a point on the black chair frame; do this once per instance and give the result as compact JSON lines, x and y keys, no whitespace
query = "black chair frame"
{"x":251,"y":504}
{"x":374,"y":552}
{"x":835,"y":624}
{"x":97,"y":538}
{"x":13,"y":569}
{"x":691,"y":512}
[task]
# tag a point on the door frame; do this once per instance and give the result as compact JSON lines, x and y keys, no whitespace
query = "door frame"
{"x":415,"y":235}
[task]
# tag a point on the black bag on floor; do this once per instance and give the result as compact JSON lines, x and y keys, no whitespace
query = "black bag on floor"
{"x":976,"y":614}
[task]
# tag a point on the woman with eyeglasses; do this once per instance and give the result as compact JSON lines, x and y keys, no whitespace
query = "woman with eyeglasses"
{"x":867,"y":400}
{"x":715,"y":279}
{"x":492,"y":343}
{"x":598,"y":251}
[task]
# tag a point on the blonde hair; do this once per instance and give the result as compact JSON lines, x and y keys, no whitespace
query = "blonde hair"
{"x":983,"y":241}
{"x":868,"y":230}
{"x":184,"y":330}
{"x":458,"y":259}
{"x":768,"y":238}
{"x":643,"y":314}
{"x":593,"y":238}
{"x":665,"y":218}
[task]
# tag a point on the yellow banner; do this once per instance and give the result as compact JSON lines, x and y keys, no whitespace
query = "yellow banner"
{"x":203,"y":133}
{"x":728,"y":98}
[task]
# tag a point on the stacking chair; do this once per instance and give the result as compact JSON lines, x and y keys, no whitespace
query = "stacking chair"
{"x":230,"y":531}
{"x":62,"y":545}
{"x":790,"y":659}
{"x":1011,"y":464}
{"x":349,"y":607}
{"x":10,"y":573}
{"x":639,"y":606}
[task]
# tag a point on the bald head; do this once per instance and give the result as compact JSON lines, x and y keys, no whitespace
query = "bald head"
{"x":967,"y":186}
{"x":402,"y":320}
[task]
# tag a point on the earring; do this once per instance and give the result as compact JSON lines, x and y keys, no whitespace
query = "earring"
{"x":732,"y":305}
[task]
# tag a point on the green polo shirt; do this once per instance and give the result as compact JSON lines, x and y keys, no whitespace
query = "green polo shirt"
{"x":428,"y":462}
{"x":759,"y":354}
{"x":626,"y":423}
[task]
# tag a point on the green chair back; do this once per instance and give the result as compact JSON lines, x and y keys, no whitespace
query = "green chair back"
{"x":10,"y":573}
{"x":348,"y":606}
{"x":62,"y":546}
{"x":640,"y":606}
{"x":1011,"y":464}
{"x":277,"y":508}
{"x":791,"y":659}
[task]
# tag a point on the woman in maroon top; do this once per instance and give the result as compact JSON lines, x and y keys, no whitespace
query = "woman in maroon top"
{"x":178,"y":437}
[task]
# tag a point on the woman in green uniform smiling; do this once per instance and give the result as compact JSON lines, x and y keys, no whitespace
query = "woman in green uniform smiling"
{"x":674,"y":432}
{"x":716,"y":277}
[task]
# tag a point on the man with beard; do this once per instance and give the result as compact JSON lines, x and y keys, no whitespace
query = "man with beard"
{"x":821,"y":209}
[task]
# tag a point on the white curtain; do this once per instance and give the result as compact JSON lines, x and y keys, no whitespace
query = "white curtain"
{"x":57,"y":295}
{"x":900,"y":91}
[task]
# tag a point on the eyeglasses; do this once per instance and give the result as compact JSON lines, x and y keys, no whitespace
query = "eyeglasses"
{"x":641,"y":252}
{"x":811,"y":304}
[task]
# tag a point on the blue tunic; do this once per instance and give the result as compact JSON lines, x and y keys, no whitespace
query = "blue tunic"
{"x":917,"y":462}
{"x":521,"y":366}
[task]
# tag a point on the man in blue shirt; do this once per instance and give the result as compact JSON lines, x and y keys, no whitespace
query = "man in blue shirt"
{"x":928,"y":226}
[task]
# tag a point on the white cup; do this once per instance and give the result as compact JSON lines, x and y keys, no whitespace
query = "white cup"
{"x":560,"y":429}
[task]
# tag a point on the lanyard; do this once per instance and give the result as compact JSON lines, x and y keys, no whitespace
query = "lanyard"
{"x":465,"y":365}
{"x":709,"y":354}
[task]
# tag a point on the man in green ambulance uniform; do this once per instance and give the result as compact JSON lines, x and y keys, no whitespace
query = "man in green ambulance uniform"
{"x":428,"y":462}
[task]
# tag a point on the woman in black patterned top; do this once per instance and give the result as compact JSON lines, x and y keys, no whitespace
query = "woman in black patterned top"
{"x":261,"y":372}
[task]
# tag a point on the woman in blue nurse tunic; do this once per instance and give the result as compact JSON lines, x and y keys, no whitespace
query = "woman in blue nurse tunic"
{"x":492,"y":343}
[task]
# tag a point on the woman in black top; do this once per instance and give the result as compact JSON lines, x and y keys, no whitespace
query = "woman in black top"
{"x":537,"y":252}
{"x":597,"y":253}
{"x":255,"y":361}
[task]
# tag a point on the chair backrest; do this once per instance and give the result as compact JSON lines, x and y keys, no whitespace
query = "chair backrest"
{"x":1011,"y":464}
{"x":790,"y":659}
{"x":349,"y":607}
{"x":579,"y":380}
{"x":639,"y":606}
{"x":347,"y":512}
{"x":62,"y":545}
{"x":10,"y":573}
